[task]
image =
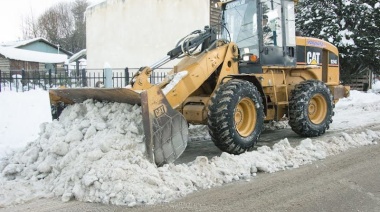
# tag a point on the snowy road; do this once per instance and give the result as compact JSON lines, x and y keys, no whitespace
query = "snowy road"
{"x":345,"y":182}
{"x":268,"y":138}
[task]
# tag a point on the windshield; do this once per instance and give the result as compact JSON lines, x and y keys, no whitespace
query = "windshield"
{"x":240,"y":19}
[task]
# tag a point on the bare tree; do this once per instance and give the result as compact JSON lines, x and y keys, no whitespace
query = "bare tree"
{"x":57,"y":24}
{"x":29,"y":26}
{"x":62,"y":24}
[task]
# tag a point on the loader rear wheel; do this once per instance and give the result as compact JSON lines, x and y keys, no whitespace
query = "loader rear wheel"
{"x":236,"y":116}
{"x":311,"y":108}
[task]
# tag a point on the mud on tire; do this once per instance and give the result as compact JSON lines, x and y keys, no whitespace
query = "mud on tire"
{"x":311,"y":108}
{"x":236,"y":116}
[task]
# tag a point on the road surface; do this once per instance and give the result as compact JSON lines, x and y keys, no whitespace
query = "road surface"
{"x":349,"y":181}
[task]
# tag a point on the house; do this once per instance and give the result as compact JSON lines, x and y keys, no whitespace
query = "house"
{"x":137,"y":33}
{"x":36,"y":54}
{"x":77,"y":62}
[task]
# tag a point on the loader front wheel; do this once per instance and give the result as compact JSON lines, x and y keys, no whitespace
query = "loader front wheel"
{"x":311,"y":108}
{"x":236,"y":116}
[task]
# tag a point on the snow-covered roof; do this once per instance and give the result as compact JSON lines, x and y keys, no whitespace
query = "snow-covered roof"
{"x":20,"y":43}
{"x":31,"y":56}
{"x":77,"y":55}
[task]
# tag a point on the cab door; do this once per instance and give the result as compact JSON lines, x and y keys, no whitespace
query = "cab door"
{"x":277,"y":34}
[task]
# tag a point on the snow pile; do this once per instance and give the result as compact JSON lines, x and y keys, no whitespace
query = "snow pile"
{"x":90,"y":142}
{"x":276,"y":125}
{"x":356,"y":111}
{"x":95,"y":153}
{"x":198,"y":133}
{"x":358,"y":101}
{"x":376,"y":86}
{"x":20,"y":117}
{"x":174,"y":79}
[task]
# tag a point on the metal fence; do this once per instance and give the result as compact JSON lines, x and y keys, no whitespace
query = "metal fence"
{"x":28,"y":80}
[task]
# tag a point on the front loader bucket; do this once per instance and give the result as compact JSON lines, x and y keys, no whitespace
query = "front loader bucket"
{"x":166,"y":130}
{"x":79,"y":95}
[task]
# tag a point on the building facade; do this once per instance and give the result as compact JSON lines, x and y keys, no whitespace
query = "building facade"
{"x":137,"y":33}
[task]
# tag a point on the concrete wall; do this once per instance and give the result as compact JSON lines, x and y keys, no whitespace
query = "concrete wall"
{"x":135,"y":33}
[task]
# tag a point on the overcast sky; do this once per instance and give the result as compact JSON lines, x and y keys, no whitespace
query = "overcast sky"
{"x":13,"y":11}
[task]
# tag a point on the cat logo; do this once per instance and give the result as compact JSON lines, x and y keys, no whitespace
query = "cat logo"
{"x":312,"y":58}
{"x":159,"y":111}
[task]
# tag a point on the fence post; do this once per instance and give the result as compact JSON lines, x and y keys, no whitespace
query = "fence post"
{"x":50,"y":78}
{"x":22,"y":79}
{"x":126,"y":74}
{"x":151,"y":77}
{"x":34,"y":80}
{"x":10,"y":80}
{"x":84,"y":78}
{"x":108,"y":76}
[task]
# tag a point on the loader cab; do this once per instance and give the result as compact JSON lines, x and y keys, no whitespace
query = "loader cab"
{"x":264,"y":31}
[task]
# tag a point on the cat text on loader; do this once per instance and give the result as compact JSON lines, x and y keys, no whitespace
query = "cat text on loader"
{"x":258,"y":71}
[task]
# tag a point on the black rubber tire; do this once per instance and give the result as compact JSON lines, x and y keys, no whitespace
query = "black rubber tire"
{"x":221,"y":116}
{"x":57,"y":109}
{"x":300,"y":99}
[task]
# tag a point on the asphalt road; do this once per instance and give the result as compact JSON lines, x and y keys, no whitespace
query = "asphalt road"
{"x":349,"y":181}
{"x":267,"y":138}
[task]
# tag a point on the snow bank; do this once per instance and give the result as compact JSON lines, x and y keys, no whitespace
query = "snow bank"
{"x":356,"y":111}
{"x":376,"y":86}
{"x":87,"y":147}
{"x":20,"y":117}
{"x":359,"y":100}
{"x":95,"y":153}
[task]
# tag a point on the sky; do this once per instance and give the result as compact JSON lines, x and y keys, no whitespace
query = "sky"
{"x":12,"y":13}
{"x":91,"y":154}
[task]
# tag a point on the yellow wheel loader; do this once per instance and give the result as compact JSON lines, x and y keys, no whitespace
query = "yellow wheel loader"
{"x":254,"y":70}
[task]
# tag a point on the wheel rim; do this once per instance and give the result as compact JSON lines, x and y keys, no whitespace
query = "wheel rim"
{"x":245,"y":117}
{"x":317,"y":109}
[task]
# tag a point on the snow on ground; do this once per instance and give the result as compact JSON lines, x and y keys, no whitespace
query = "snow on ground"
{"x":20,"y":117}
{"x":95,"y":152}
{"x":376,"y":85}
{"x":358,"y":110}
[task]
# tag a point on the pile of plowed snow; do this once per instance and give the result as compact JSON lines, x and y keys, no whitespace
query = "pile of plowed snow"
{"x":95,"y":153}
